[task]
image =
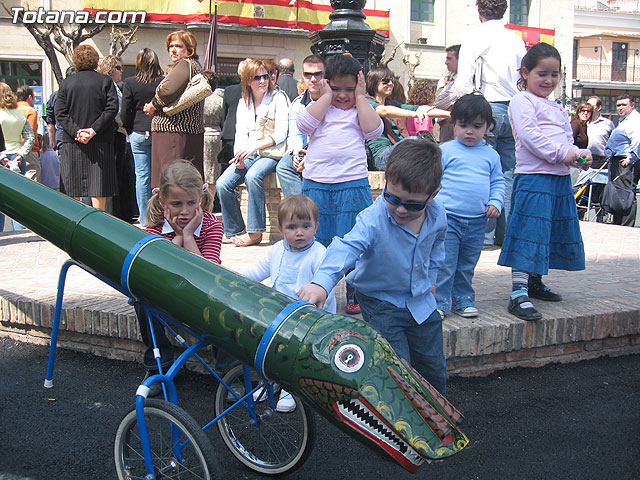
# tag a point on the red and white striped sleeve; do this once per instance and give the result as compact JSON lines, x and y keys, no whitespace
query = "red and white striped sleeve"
{"x":210,"y":239}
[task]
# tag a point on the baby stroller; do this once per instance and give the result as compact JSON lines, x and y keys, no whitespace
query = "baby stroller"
{"x":588,"y":189}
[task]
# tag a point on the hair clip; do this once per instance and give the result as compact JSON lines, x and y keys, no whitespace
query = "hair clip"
{"x":347,"y":53}
{"x":155,"y":191}
{"x":205,"y":187}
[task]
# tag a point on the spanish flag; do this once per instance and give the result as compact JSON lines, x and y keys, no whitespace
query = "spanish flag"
{"x":531,"y":35}
{"x":293,"y":14}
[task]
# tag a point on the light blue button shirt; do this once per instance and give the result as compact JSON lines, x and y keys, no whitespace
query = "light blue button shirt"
{"x":392,"y":263}
{"x":625,"y":138}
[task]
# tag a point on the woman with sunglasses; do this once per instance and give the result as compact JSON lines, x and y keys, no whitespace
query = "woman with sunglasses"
{"x":579,"y":124}
{"x":262,"y":123}
{"x":380,"y":86}
{"x":180,"y":136}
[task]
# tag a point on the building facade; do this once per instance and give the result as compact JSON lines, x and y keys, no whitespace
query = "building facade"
{"x":423,"y":28}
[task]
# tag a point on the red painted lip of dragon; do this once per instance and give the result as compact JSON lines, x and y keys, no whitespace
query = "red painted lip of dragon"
{"x":361,"y":416}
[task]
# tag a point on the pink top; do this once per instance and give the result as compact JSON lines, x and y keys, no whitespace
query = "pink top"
{"x":336,"y":150}
{"x":542,"y":133}
{"x":415,"y":125}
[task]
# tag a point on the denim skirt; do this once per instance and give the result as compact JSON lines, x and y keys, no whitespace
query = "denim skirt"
{"x":543,"y":231}
{"x":339,"y":205}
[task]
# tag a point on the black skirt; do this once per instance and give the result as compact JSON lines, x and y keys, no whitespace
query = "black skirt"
{"x":88,"y":170}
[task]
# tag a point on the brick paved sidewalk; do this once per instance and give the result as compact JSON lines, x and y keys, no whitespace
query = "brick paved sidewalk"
{"x":600,"y":312}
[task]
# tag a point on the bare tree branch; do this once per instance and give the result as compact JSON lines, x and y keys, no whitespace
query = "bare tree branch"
{"x":386,"y":62}
{"x":411,"y":67}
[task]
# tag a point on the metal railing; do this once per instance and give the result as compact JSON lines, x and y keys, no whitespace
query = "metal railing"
{"x":602,"y":72}
{"x":613,"y":6}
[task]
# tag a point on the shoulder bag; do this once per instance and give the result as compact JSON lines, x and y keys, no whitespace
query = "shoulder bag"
{"x":617,"y":199}
{"x":196,"y":91}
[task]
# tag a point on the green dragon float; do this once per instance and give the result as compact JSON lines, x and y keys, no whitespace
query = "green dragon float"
{"x":339,"y":365}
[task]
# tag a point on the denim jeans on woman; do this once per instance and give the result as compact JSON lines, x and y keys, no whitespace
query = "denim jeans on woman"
{"x":253,"y":174}
{"x":141,"y":149}
{"x":463,"y":246}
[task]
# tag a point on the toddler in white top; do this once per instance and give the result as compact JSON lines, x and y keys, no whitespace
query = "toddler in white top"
{"x":292,"y":262}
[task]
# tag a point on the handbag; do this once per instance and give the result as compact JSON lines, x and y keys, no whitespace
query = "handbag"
{"x":265,"y":126}
{"x":196,"y":91}
{"x":616,"y":199}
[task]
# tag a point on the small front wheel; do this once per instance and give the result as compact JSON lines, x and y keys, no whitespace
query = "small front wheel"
{"x":190,"y":457}
{"x":278,"y":443}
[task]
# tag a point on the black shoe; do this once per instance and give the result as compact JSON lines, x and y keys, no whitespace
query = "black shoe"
{"x":540,"y":291}
{"x":529,"y":314}
{"x":155,"y":390}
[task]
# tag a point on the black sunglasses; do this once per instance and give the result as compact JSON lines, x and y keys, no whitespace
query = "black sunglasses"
{"x":264,"y":76}
{"x":387,"y":80}
{"x":409,"y":206}
{"x":118,"y":67}
{"x":318,"y":75}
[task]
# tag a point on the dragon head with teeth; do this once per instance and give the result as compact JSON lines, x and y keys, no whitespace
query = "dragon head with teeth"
{"x":350,"y":373}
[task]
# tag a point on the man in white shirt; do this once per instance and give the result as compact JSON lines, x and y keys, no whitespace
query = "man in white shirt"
{"x":495,"y":54}
{"x":599,"y":130}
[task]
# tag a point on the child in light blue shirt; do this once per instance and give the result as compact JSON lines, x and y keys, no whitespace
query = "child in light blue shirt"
{"x":397,"y":247}
{"x":473,"y":190}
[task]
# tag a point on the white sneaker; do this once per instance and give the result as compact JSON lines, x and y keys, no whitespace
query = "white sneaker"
{"x":467,"y":312}
{"x":286,"y":403}
{"x":442,"y":313}
{"x":262,"y":394}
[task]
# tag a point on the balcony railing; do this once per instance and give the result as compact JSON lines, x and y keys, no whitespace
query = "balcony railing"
{"x":613,"y":6}
{"x":602,"y":72}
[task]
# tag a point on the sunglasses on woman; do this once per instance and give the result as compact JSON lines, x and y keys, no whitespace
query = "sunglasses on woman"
{"x":409,"y":206}
{"x":386,"y":81}
{"x":264,"y":76}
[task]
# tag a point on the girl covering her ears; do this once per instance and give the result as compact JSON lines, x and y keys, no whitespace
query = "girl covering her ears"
{"x":179,"y":210}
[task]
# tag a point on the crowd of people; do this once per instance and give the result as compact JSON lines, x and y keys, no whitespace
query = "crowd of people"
{"x":504,"y":147}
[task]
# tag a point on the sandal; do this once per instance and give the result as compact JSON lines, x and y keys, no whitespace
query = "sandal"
{"x":247,"y":239}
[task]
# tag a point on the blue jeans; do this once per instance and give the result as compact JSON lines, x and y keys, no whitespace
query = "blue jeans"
{"x":290,"y":179}
{"x":463,"y":246}
{"x":23,"y":170}
{"x":501,"y":138}
{"x":141,"y":149}
{"x":253,"y":174}
{"x":420,"y":344}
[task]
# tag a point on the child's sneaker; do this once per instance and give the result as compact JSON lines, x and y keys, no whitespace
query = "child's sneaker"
{"x":286,"y":403}
{"x":467,"y":312}
{"x":261,"y":394}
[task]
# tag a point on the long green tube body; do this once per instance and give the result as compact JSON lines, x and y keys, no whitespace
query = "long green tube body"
{"x":340,"y":365}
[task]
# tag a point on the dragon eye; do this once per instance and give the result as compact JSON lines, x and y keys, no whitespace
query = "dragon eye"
{"x":349,"y":358}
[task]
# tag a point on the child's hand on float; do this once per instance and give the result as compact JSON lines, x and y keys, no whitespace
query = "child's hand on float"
{"x":492,"y":212}
{"x":313,"y":293}
{"x":361,"y":86}
{"x":194,"y":223}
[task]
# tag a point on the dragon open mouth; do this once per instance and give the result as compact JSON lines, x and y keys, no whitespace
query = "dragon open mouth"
{"x":360,"y":416}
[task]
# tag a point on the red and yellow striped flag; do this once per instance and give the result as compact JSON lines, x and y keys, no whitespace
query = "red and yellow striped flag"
{"x":300,"y":14}
{"x":531,"y":35}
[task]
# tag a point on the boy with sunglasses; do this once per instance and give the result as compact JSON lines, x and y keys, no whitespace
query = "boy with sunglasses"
{"x":397,"y":247}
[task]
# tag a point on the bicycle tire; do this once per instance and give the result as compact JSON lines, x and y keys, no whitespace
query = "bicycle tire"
{"x":199,"y":461}
{"x":279,"y":443}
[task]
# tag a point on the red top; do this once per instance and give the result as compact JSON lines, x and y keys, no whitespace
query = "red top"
{"x":208,"y":239}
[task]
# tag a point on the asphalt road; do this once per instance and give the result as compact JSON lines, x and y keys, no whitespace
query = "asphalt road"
{"x":577,"y":421}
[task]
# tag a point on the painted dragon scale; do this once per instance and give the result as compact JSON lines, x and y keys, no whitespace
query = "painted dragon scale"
{"x":339,"y":365}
